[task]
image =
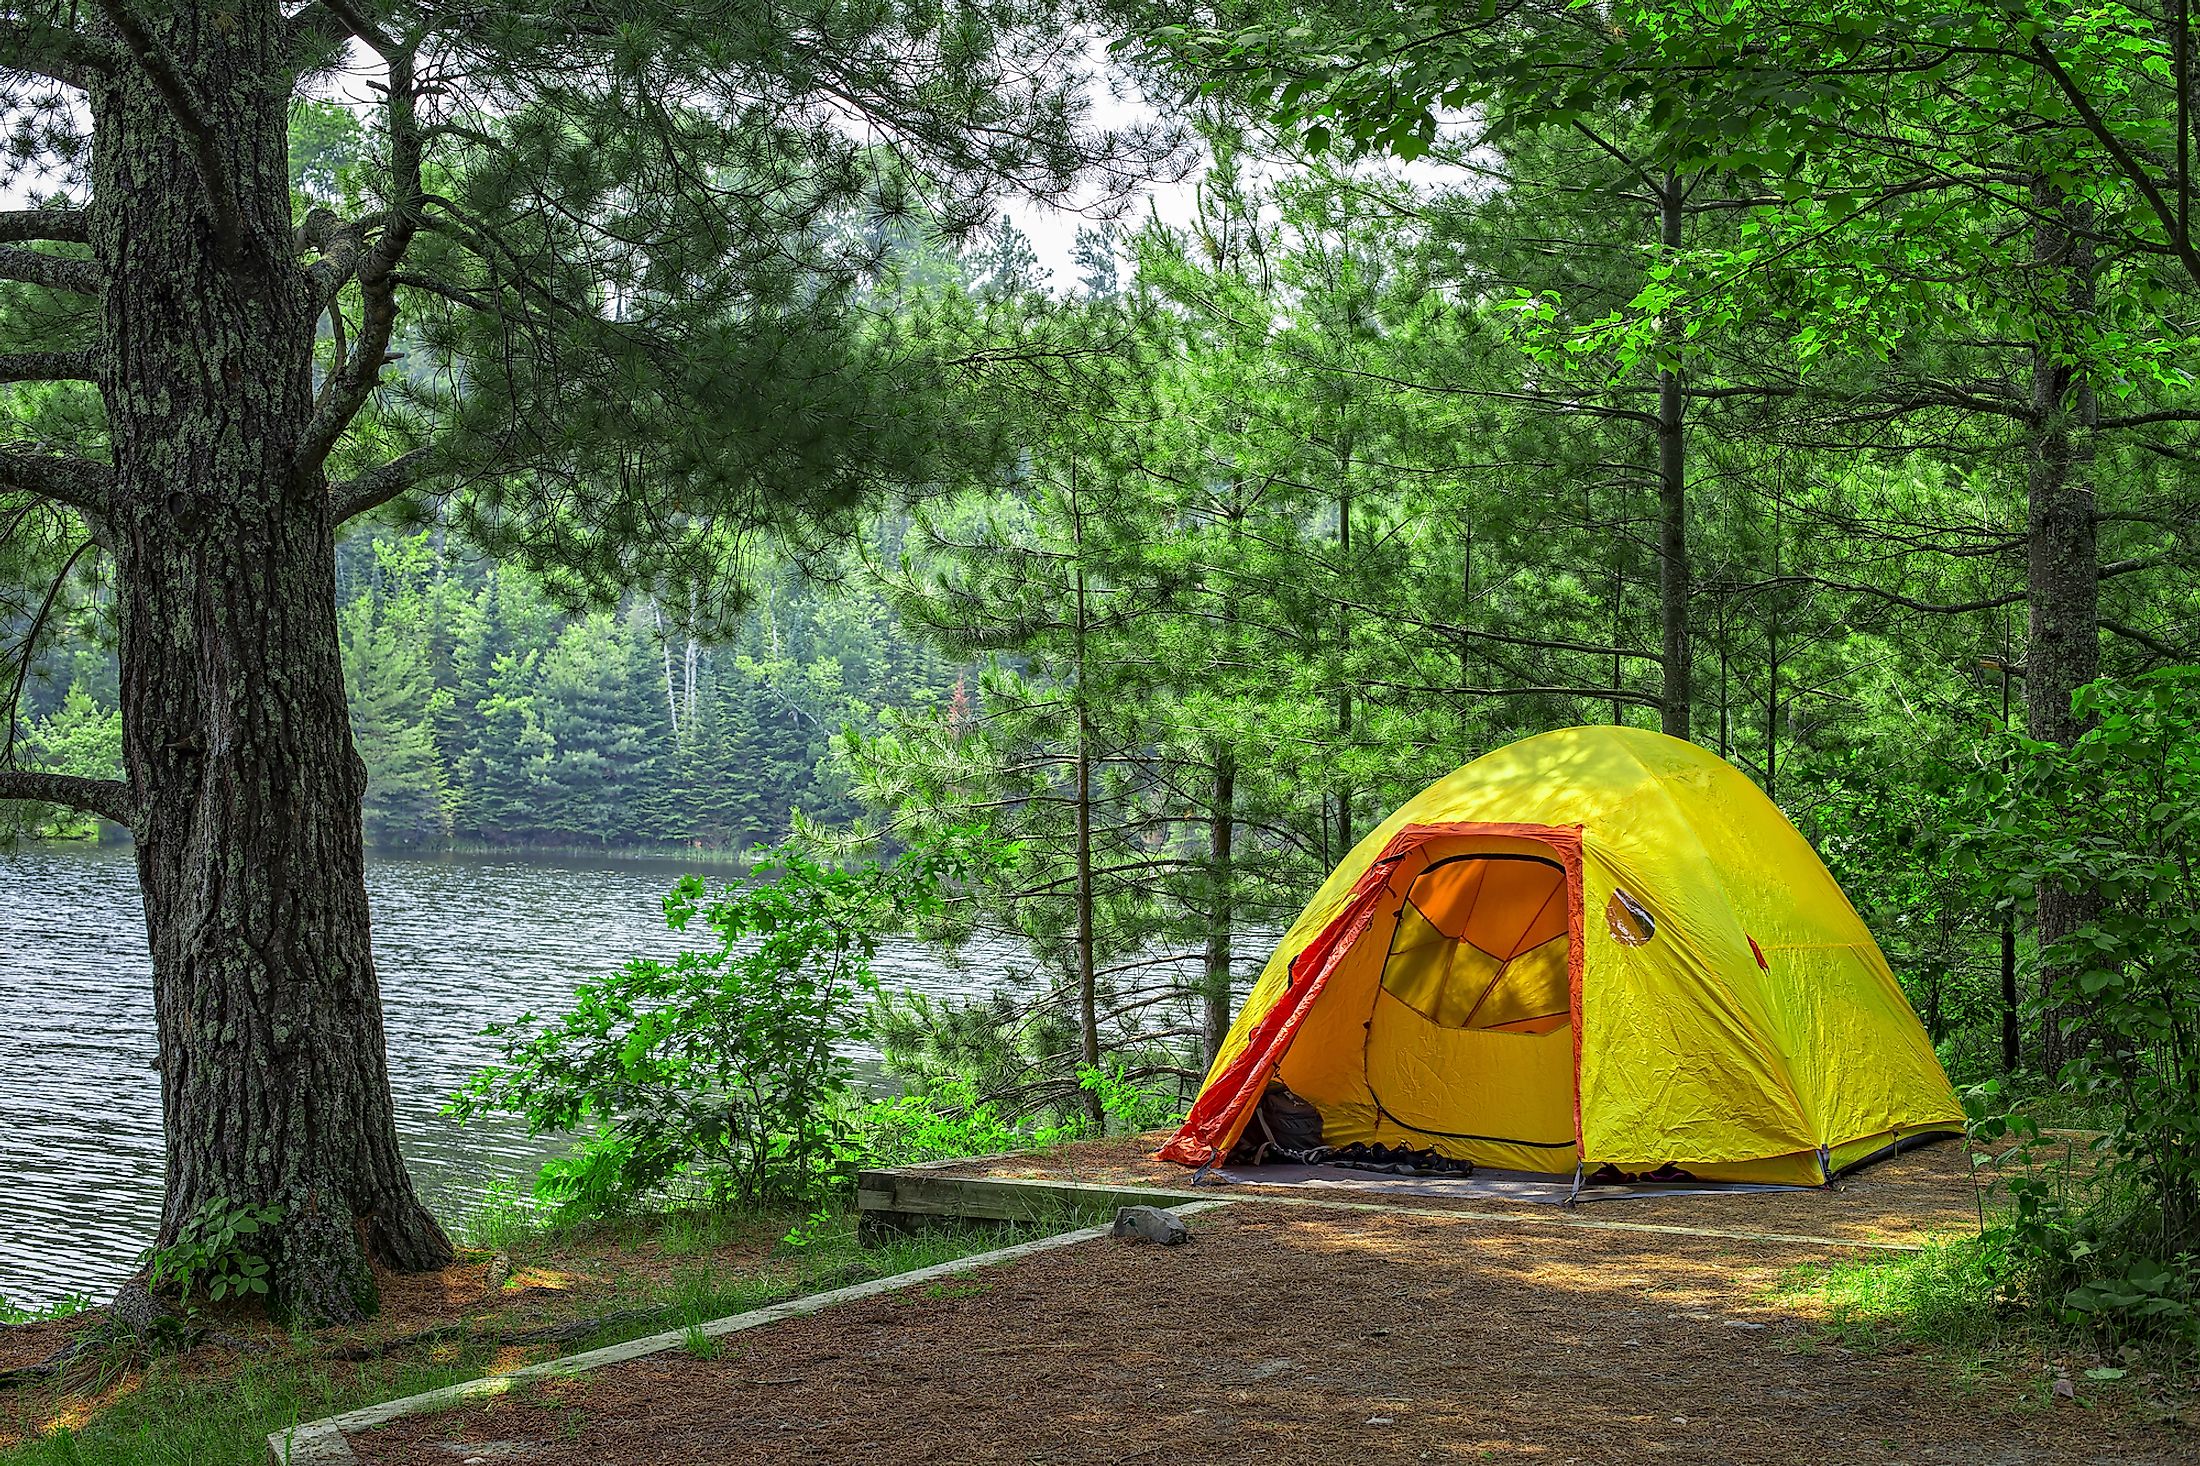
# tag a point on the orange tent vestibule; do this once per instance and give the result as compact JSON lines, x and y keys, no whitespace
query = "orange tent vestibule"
{"x":1599,"y":945}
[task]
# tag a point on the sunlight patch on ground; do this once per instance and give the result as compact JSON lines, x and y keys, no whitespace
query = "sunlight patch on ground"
{"x":82,"y":1409}
{"x":536,"y":1277}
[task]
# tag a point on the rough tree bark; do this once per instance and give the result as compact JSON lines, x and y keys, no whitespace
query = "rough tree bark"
{"x":237,"y":744}
{"x":2063,"y":569}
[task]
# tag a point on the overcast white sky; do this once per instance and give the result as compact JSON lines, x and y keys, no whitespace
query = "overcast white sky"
{"x":1053,"y":231}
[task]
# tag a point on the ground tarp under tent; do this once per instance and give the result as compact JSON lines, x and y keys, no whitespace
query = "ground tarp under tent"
{"x":1595,"y":947}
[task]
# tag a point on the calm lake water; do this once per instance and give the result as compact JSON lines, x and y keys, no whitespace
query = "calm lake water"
{"x":459,"y":942}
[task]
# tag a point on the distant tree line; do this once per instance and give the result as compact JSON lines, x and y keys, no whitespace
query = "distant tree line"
{"x":490,"y":716}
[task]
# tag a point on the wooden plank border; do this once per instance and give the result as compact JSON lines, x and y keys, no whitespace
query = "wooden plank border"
{"x":322,"y":1443}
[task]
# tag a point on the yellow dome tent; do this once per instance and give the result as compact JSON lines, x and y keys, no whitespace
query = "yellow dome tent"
{"x":1595,"y":946}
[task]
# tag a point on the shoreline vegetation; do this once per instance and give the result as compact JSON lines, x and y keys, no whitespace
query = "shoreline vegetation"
{"x":491,"y":718}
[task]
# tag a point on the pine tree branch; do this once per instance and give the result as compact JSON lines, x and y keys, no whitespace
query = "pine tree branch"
{"x":1895,"y":598}
{"x":2147,"y":419}
{"x":56,"y":52}
{"x":110,"y":799}
{"x":59,"y":226}
{"x":49,"y":366}
{"x":353,"y":19}
{"x":1597,"y":694}
{"x":2153,"y":644}
{"x":314,"y":38}
{"x":2109,"y":571}
{"x":339,"y":242}
{"x":53,"y":272}
{"x":377,"y":486}
{"x":354,"y":380}
{"x":79,"y":483}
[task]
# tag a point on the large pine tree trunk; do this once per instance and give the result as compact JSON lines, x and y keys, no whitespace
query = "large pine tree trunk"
{"x":275,"y":1087}
{"x":2063,"y":573}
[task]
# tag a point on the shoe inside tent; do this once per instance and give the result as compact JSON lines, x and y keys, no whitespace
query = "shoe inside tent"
{"x":1596,"y":947}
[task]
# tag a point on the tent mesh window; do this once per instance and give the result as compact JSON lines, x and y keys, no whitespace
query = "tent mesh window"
{"x":1482,"y":942}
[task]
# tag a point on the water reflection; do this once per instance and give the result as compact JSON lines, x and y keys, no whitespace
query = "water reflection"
{"x":460,"y":942}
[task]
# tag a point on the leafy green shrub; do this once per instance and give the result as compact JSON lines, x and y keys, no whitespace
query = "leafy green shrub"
{"x":81,"y":738}
{"x":948,"y":1119}
{"x":1130,"y":1102}
{"x":67,"y":1306}
{"x":2081,"y":1236}
{"x":722,"y":1069}
{"x":2115,"y":1244}
{"x":216,"y":1250}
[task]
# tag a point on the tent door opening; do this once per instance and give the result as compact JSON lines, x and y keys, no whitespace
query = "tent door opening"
{"x":1470,"y":1042}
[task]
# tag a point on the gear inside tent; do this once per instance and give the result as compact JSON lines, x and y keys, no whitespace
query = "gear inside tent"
{"x":1595,"y":950}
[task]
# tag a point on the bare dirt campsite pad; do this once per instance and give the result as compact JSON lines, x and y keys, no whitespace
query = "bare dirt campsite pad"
{"x":1922,"y":1193}
{"x":1294,"y":1334}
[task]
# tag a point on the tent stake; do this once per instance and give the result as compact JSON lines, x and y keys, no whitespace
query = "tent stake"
{"x":1577,"y":1182}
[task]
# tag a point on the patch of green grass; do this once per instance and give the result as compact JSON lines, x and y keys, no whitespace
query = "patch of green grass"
{"x":165,"y":1415}
{"x":689,"y":1232}
{"x":697,"y":1344}
{"x":67,"y":1306}
{"x":502,"y":1218}
{"x":833,"y":1260}
{"x":166,"y":1418}
{"x":1947,"y":1294}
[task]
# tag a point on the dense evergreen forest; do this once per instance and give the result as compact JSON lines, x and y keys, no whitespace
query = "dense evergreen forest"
{"x":489,"y":717}
{"x":1333,"y":489}
{"x":1347,"y":480}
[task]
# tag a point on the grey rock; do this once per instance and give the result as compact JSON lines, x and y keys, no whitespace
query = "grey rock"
{"x":1149,"y":1224}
